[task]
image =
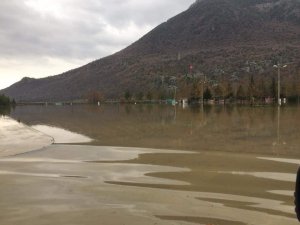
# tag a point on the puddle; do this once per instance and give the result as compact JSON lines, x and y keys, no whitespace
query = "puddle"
{"x":238,"y":201}
{"x":73,"y":176}
{"x":95,"y":189}
{"x":289,"y":177}
{"x":292,"y":161}
{"x":201,"y":220}
{"x":282,"y":192}
{"x":61,"y":135}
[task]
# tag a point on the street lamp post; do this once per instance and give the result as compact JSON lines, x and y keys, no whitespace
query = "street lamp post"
{"x":279,"y":66}
{"x":202,"y":87}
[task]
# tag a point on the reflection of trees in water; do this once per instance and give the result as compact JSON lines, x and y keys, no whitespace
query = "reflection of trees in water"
{"x":207,"y":110}
{"x":163,"y":114}
{"x":229,"y":109}
{"x":164,"y":126}
{"x":273,"y":114}
{"x":128,"y":109}
{"x":219,"y":109}
{"x":138,"y":108}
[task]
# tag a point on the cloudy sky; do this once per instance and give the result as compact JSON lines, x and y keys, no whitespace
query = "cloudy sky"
{"x":39,"y":38}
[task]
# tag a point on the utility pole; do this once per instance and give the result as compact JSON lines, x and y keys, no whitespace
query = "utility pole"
{"x":279,"y":87}
{"x":202,"y":87}
{"x":279,"y":66}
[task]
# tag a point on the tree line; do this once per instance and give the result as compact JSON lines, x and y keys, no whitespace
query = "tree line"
{"x":248,"y":88}
{"x":5,"y":101}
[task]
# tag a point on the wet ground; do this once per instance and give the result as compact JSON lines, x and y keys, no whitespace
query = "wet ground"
{"x":234,"y":167}
{"x":15,"y":138}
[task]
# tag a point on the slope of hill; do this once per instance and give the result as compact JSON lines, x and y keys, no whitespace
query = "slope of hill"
{"x":220,"y":38}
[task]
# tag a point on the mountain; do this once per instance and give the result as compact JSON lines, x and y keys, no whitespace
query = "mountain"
{"x":220,"y":38}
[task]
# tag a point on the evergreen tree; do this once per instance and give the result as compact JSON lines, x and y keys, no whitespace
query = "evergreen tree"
{"x":207,"y":94}
{"x":195,"y":91}
{"x":140,"y":96}
{"x":4,"y":100}
{"x":251,"y":88}
{"x":229,"y":90}
{"x":219,"y":92}
{"x":240,"y":95}
{"x":149,"y":96}
{"x":127,"y":95}
{"x":273,"y":88}
{"x":263,"y":91}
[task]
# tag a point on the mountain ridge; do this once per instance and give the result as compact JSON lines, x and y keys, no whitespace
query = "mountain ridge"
{"x":216,"y":36}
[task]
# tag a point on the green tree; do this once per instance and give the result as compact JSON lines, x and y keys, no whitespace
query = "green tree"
{"x":127,"y":95}
{"x":229,"y":90}
{"x":162,"y":95}
{"x":240,"y":95}
{"x":195,"y":91}
{"x":149,"y":96}
{"x":263,"y":91}
{"x":207,"y":95}
{"x":219,"y":92}
{"x":273,"y":88}
{"x":4,"y":100}
{"x":251,"y":88}
{"x":140,"y":96}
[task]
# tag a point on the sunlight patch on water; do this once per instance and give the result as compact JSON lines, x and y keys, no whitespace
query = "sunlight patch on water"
{"x":61,"y":135}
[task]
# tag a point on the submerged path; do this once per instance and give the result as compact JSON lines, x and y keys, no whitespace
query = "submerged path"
{"x":17,"y":138}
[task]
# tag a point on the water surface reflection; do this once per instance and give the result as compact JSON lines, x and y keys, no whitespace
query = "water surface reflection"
{"x":234,"y":129}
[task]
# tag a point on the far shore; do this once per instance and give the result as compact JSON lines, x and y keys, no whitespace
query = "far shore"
{"x":185,"y":102}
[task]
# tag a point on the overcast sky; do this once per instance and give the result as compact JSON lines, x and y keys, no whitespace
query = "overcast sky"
{"x":40,"y":38}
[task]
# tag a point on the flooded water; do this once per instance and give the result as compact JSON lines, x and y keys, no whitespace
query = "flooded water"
{"x":173,"y":165}
{"x":234,"y":129}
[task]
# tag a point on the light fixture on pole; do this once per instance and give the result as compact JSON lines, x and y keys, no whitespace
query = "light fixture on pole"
{"x":279,"y":66}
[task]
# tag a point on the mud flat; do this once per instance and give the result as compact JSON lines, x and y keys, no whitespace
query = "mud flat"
{"x":17,"y":138}
{"x":73,"y":184}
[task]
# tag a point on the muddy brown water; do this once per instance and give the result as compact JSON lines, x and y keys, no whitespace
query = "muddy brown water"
{"x":242,"y":169}
{"x":234,"y":129}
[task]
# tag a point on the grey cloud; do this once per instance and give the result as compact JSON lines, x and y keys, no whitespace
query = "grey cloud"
{"x":83,"y":32}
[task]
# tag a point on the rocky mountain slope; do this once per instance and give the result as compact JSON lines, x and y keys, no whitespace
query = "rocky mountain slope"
{"x":220,"y":38}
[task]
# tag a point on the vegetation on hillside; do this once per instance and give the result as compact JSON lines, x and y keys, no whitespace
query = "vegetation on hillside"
{"x":232,"y":46}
